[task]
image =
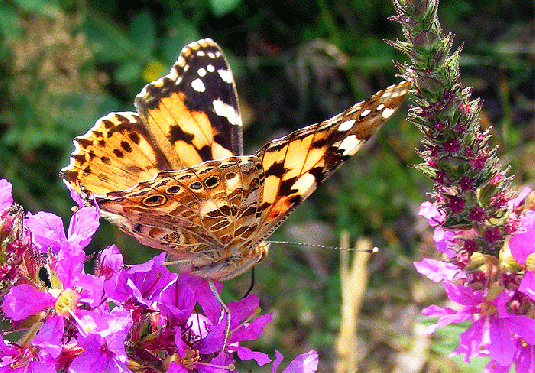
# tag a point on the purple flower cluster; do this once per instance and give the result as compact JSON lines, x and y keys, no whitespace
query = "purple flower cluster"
{"x":142,"y":318}
{"x":496,"y":294}
{"x":486,"y":233}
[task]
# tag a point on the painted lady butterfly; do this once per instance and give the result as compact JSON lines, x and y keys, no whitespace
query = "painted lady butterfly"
{"x":173,"y":175}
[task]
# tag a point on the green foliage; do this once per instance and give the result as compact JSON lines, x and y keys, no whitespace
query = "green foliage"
{"x":63,"y":64}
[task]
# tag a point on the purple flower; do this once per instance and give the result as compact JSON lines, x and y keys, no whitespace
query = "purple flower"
{"x":15,"y":359}
{"x":143,"y":282}
{"x":456,"y":204}
{"x":522,"y":244}
{"x":200,"y":338}
{"x":102,"y":337}
{"x":48,"y":232}
{"x":438,"y":271}
{"x":6,"y":198}
{"x":494,"y":331}
{"x":493,"y":235}
{"x":304,"y":363}
{"x":452,"y":145}
{"x":444,"y":241}
{"x":433,"y":215}
{"x":110,"y":260}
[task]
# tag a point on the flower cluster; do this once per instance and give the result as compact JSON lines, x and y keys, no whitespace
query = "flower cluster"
{"x":118,"y":319}
{"x":486,"y":233}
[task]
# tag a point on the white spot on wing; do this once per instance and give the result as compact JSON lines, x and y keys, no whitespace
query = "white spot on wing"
{"x":350,"y":145}
{"x":225,"y":110}
{"x":387,"y":112}
{"x":198,"y":85}
{"x":304,"y":183}
{"x":210,"y":68}
{"x":380,"y":107}
{"x":365,"y":113}
{"x":346,"y":126}
{"x":226,"y":75}
{"x":201,"y":72}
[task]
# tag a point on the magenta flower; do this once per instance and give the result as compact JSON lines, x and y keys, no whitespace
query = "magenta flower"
{"x":304,"y":363}
{"x":48,"y":231}
{"x":433,"y":215}
{"x":522,"y":243}
{"x":142,"y":282}
{"x":6,"y":198}
{"x":103,"y":341}
{"x":494,"y":331}
{"x":119,"y":317}
{"x":438,"y":271}
{"x":444,"y":238}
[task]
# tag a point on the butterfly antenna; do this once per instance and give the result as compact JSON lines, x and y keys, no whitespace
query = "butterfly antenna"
{"x":372,"y":250}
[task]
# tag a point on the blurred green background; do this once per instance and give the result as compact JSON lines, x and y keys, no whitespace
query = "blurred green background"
{"x":65,"y":63}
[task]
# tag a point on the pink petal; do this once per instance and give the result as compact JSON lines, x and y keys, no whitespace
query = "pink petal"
{"x":47,"y":231}
{"x":277,"y":361}
{"x":245,"y":353}
{"x":83,"y":225}
{"x":437,"y":270}
{"x":464,"y":294}
{"x":49,"y":336}
{"x":6,"y":197}
{"x":471,"y":341}
{"x":527,"y":286}
{"x":444,"y":241}
{"x":431,"y":213}
{"x":24,"y":300}
{"x":304,"y":363}
{"x":515,"y":202}
{"x":523,"y":242}
{"x":501,"y":347}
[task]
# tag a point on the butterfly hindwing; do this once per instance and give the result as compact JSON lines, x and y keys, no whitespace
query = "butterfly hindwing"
{"x":193,"y":111}
{"x":200,"y":215}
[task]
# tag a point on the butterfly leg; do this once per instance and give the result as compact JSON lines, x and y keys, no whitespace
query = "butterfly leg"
{"x":225,"y":309}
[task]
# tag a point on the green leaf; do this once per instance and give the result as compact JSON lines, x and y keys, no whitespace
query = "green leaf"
{"x":143,"y":33}
{"x":223,"y":7}
{"x":10,"y":25}
{"x":108,"y":42}
{"x":128,"y":72}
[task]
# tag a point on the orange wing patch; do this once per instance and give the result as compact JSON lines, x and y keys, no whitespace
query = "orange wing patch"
{"x":102,"y":161}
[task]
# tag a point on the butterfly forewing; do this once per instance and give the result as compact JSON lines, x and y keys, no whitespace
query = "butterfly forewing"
{"x":295,"y":164}
{"x":186,"y":117}
{"x":193,"y":111}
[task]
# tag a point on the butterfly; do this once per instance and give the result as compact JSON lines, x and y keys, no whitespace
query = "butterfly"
{"x":173,"y":174}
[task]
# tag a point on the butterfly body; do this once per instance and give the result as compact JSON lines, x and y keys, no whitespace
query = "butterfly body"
{"x":174,"y":175}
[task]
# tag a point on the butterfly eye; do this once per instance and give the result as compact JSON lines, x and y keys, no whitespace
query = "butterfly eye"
{"x":175,"y":189}
{"x":211,"y":182}
{"x":154,"y":200}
